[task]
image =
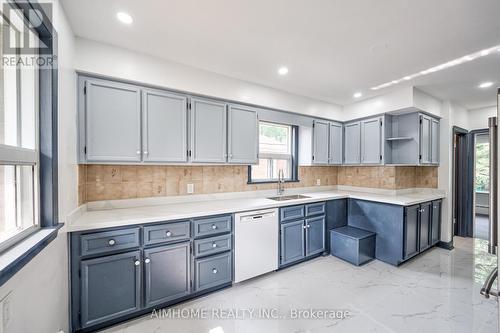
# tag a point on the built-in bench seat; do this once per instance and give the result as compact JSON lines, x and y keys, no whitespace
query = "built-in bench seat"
{"x":354,"y":245}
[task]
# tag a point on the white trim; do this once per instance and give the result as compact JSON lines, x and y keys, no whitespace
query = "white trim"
{"x":17,"y":155}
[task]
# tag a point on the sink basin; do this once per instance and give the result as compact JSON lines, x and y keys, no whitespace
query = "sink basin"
{"x":289,"y":197}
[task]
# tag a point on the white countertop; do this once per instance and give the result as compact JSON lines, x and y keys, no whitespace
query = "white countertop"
{"x":109,"y":214}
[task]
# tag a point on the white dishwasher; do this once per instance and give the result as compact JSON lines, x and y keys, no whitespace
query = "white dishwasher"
{"x":256,"y":241}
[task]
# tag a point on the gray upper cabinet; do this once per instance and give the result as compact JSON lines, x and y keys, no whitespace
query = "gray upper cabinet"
{"x":167,"y":273}
{"x":164,"y":127}
{"x":425,"y":139}
{"x":112,"y":122}
{"x":208,"y":131}
{"x":243,"y":135}
{"x":335,"y":146}
{"x":320,"y":142}
{"x":352,"y":142}
{"x":371,"y":145}
{"x":434,"y":141}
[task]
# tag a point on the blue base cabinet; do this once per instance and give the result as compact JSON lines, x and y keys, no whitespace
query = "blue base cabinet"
{"x":121,"y":273}
{"x":402,"y":231}
{"x":302,"y":232}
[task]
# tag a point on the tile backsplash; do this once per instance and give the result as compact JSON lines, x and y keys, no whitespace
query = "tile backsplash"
{"x":107,"y":182}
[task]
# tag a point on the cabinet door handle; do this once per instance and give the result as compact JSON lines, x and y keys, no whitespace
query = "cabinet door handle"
{"x":214,"y":227}
{"x":111,"y":242}
{"x":138,"y":152}
{"x":146,"y":152}
{"x":214,"y":270}
{"x":147,"y":260}
{"x":137,"y":262}
{"x":304,"y":226}
{"x":214,"y":245}
{"x":169,"y":233}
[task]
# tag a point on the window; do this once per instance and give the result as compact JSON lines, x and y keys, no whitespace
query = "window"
{"x":482,"y":167}
{"x":19,"y":153}
{"x":277,"y":151}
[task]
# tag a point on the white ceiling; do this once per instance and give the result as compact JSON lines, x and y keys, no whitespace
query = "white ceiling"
{"x":333,"y":48}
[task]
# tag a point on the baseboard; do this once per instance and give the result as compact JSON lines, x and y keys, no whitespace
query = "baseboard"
{"x":446,"y":245}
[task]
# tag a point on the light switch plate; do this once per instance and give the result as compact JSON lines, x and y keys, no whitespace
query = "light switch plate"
{"x":318,"y":182}
{"x":190,"y":188}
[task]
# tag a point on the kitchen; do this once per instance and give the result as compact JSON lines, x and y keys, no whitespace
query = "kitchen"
{"x":162,"y":189}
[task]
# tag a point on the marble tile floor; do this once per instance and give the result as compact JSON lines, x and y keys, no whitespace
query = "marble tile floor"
{"x":435,"y":292}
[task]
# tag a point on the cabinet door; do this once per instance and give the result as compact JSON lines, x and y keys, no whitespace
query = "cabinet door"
{"x":425,"y":139}
{"x":371,"y":136}
{"x":164,"y":127}
{"x":315,"y":235}
{"x":425,"y":225}
{"x":435,"y":221}
{"x":112,"y":122}
{"x":320,"y":142}
{"x":110,"y":287}
{"x":352,"y":140}
{"x":335,"y":144}
{"x":243,"y":135}
{"x":292,"y":242}
{"x":411,"y":245}
{"x":167,"y":273}
{"x":208,"y":131}
{"x":435,"y":141}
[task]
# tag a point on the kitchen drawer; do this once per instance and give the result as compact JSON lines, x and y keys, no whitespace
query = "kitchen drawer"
{"x":212,"y":245}
{"x":317,"y":208}
{"x":213,"y":271}
{"x":212,"y":225}
{"x":165,"y":233}
{"x":109,"y":241}
{"x":291,"y":213}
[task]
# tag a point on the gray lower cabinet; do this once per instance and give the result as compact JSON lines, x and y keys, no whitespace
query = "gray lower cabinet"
{"x":292,"y":242}
{"x":425,"y":225}
{"x":320,"y":142}
{"x":213,"y":271}
{"x":167,"y":273}
{"x":112,"y":120}
{"x":110,"y":287}
{"x":208,"y":131}
{"x":371,"y":140}
{"x":411,"y":231}
{"x":352,"y":143}
{"x":435,"y":221}
{"x":164,"y":127}
{"x":243,"y":135}
{"x":315,"y":235}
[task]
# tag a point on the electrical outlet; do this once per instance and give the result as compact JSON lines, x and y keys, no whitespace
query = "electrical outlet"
{"x":190,"y":188}
{"x":318,"y":182}
{"x":5,"y":313}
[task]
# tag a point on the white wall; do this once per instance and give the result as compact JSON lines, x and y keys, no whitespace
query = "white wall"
{"x":39,"y":291}
{"x":103,"y":59}
{"x":478,"y":118}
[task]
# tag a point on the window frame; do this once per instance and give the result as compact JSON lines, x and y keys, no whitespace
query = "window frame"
{"x":294,"y":152}
{"x":46,"y":148}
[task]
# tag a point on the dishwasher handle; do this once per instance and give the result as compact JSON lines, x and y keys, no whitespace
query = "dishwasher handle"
{"x":257,"y":217}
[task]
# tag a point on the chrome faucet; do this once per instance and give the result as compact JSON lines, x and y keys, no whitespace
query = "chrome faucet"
{"x":281,"y":181}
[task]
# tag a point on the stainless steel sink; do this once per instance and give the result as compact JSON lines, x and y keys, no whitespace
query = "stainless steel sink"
{"x":289,"y":197}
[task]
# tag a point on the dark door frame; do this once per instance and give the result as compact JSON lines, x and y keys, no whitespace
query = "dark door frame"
{"x":473,"y":133}
{"x":463,"y":165}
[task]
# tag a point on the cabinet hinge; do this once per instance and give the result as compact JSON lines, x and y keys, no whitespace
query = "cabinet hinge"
{"x":380,"y":122}
{"x":420,"y":120}
{"x":313,"y":157}
{"x":314,"y":124}
{"x":85,"y":90}
{"x":189,"y":153}
{"x":381,"y":157}
{"x":419,"y":157}
{"x":189,"y":105}
{"x":85,"y":150}
{"x":191,"y":284}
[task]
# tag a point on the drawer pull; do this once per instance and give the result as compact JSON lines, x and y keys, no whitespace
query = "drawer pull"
{"x":214,"y":245}
{"x":169,"y":233}
{"x":137,"y":262}
{"x":214,"y":270}
{"x":304,"y":226}
{"x":111,"y":242}
{"x":214,"y":227}
{"x":147,"y":260}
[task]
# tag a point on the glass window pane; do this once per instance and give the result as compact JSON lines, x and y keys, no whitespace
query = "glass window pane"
{"x":17,"y":205}
{"x":482,"y":166}
{"x":267,"y":169}
{"x":274,"y":138}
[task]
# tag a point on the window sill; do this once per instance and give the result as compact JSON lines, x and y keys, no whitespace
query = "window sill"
{"x":271,"y":181}
{"x":12,"y":260}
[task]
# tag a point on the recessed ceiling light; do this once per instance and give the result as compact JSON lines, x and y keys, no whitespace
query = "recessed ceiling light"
{"x":124,"y":17}
{"x":357,"y":95}
{"x":486,"y":84}
{"x":283,"y":70}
